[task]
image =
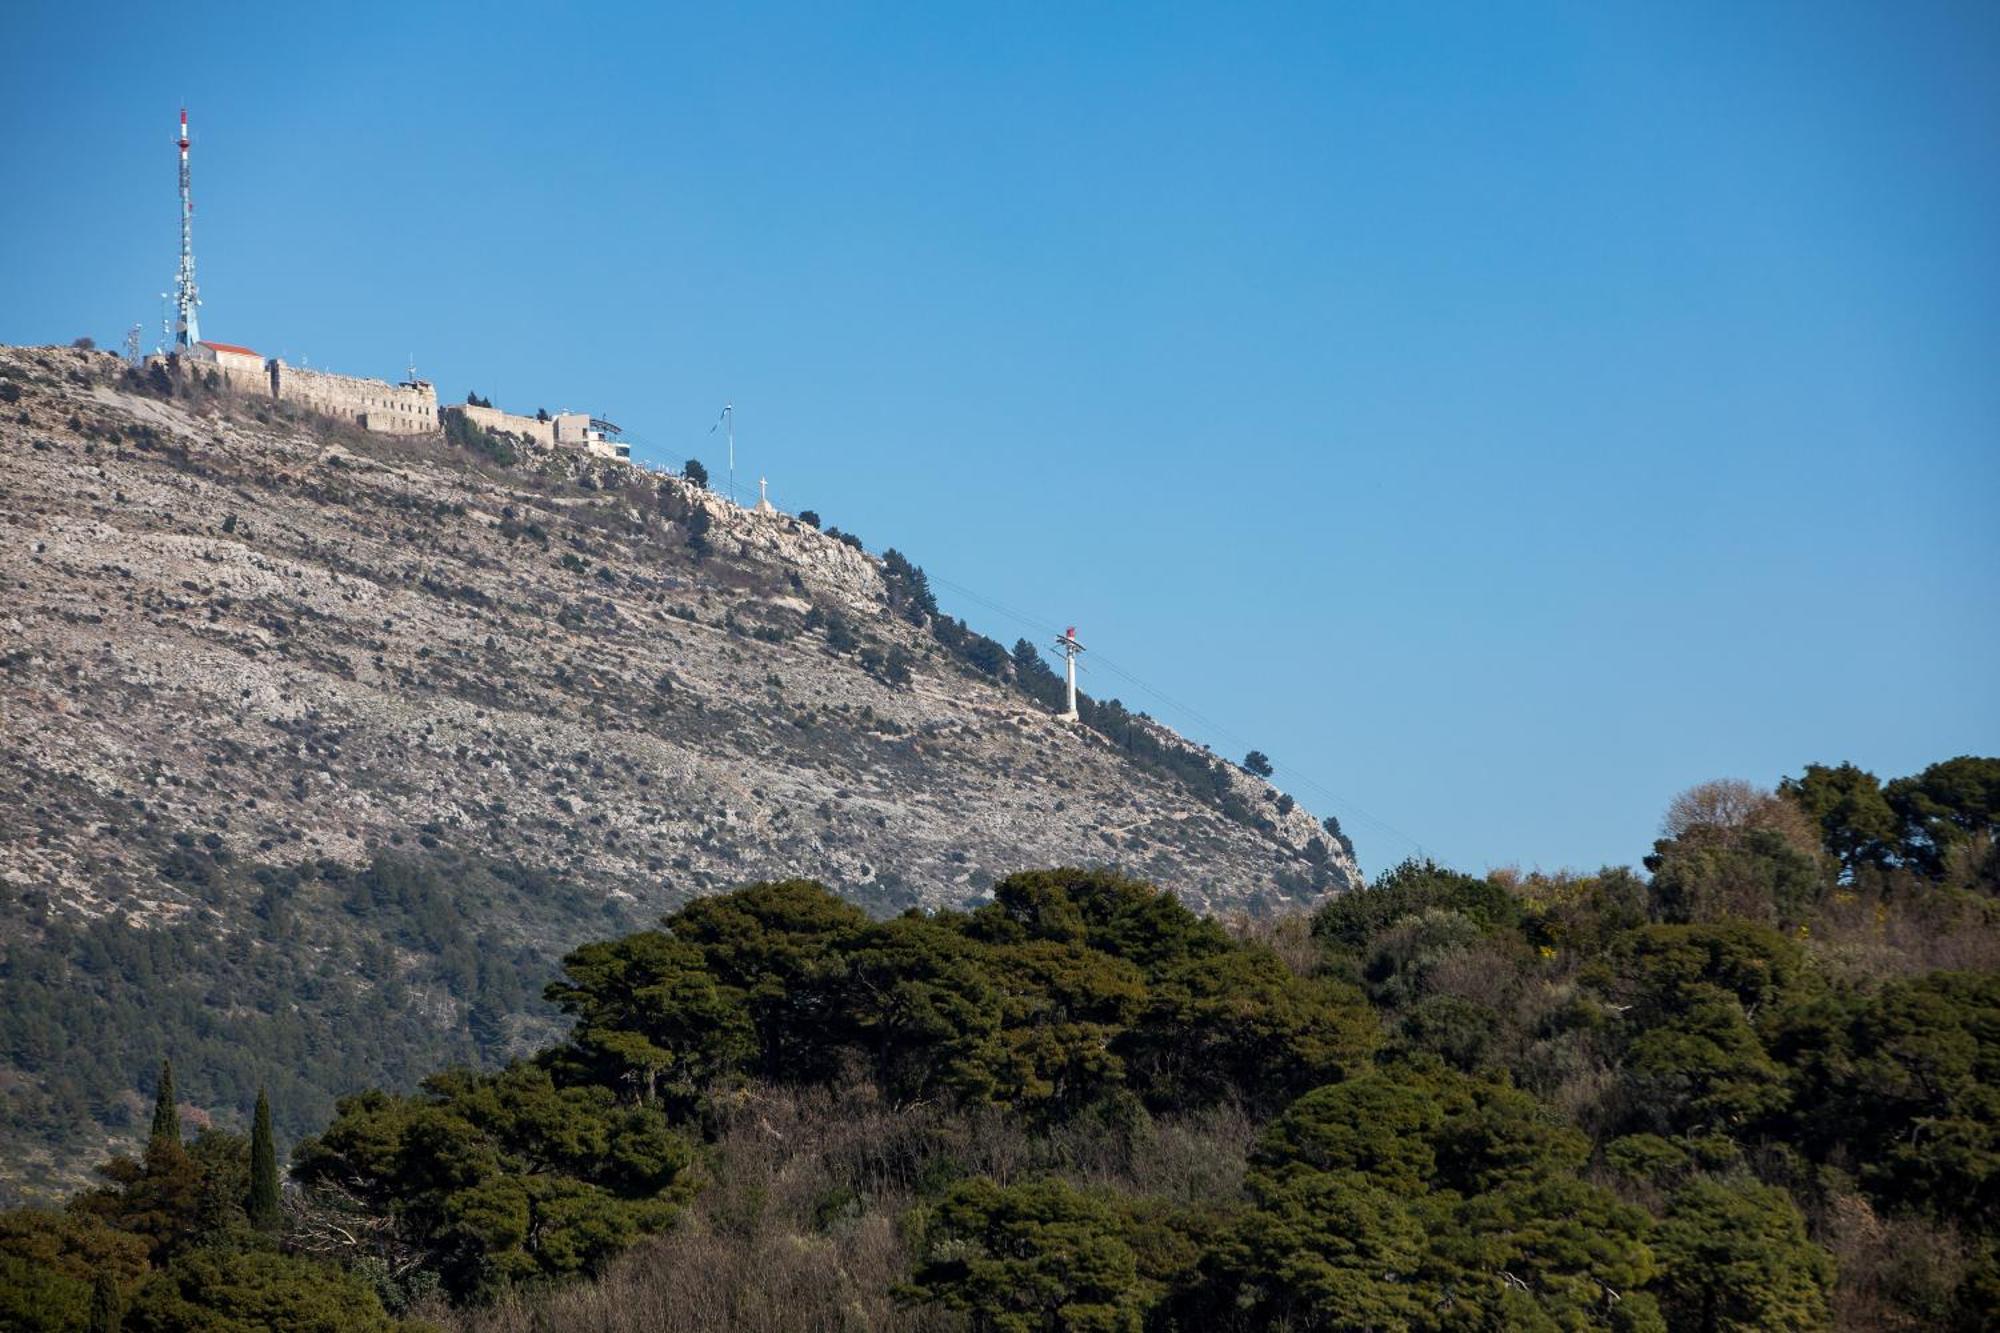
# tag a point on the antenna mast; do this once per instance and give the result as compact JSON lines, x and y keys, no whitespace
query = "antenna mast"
{"x":1067,"y":645}
{"x":729,"y":422}
{"x":187,"y":327}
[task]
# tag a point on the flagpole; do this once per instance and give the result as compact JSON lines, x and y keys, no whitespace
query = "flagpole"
{"x":728,"y":421}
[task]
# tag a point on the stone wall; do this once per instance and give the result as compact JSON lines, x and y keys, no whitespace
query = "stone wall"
{"x":567,"y":430}
{"x":377,"y":405}
{"x":528,"y":428}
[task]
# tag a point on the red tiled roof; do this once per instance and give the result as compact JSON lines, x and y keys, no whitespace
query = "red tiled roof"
{"x":230,"y":347}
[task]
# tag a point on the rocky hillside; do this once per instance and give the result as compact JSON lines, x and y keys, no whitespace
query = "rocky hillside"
{"x":251,"y":660}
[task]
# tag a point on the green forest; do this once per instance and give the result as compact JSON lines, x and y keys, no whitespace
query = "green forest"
{"x":1755,"y":1086}
{"x":332,"y":978}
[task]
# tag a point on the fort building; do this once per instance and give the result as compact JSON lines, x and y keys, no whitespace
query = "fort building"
{"x":408,"y":408}
{"x":238,"y":367}
{"x":564,"y":430}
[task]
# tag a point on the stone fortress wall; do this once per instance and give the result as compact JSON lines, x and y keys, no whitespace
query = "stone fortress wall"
{"x":409,"y":408}
{"x":564,"y":430}
{"x":532,"y":429}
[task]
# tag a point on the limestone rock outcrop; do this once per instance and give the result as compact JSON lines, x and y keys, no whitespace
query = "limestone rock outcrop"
{"x":229,"y":620}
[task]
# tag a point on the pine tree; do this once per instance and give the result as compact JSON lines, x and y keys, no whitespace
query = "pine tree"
{"x":263,"y":1202}
{"x":166,"y":1110}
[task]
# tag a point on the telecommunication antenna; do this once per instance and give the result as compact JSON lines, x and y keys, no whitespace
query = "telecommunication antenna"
{"x":1067,"y":645}
{"x":132,"y":337}
{"x":187,"y":298}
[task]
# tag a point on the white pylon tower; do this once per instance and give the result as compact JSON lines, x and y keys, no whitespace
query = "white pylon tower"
{"x":1067,"y":645}
{"x":187,"y":299}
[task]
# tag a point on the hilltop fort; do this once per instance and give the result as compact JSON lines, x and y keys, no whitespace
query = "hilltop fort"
{"x":407,"y":407}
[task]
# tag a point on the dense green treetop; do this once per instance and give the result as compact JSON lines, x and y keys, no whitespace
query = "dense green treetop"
{"x":503,"y":1178}
{"x":1856,"y":822}
{"x":1527,"y":1102}
{"x":1415,"y":1197}
{"x":1352,"y":919}
{"x":1947,"y":807}
{"x":255,"y":1291}
{"x":1030,"y":1258}
{"x":1736,"y":1259}
{"x":1906,"y":1083}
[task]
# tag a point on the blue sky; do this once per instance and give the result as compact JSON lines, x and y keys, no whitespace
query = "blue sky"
{"x":1503,"y":417}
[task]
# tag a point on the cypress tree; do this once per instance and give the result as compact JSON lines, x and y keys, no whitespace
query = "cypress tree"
{"x":263,"y":1202}
{"x":107,"y":1307}
{"x":166,"y":1110}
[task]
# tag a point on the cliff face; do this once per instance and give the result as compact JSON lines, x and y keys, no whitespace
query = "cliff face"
{"x":358,"y":733}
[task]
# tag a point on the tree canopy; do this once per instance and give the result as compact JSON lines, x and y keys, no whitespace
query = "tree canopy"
{"x":1741,"y":1094}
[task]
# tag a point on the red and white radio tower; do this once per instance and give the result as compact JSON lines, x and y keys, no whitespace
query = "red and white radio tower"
{"x":187,"y":325}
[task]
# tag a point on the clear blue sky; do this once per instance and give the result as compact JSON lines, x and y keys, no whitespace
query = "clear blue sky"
{"x":1505,"y":418}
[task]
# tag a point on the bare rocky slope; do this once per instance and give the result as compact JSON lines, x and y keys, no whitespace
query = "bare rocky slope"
{"x":250,"y":658}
